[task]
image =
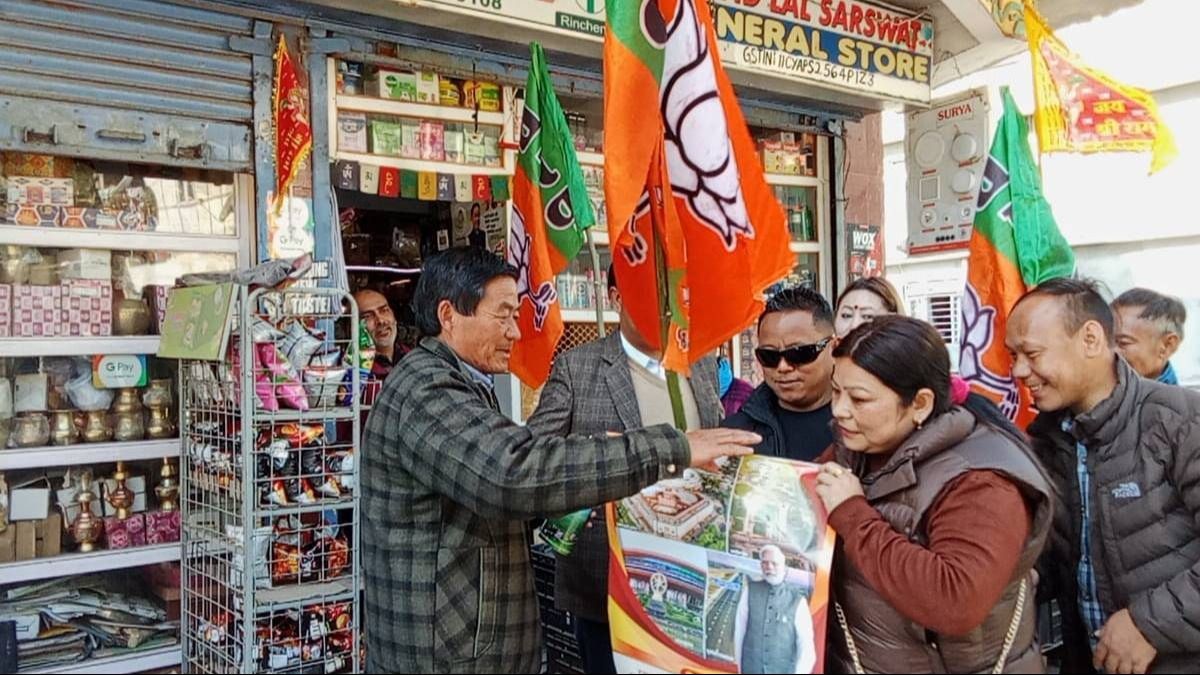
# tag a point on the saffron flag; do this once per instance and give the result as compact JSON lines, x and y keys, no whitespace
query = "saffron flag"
{"x":293,"y":131}
{"x":1080,"y":109}
{"x":551,"y":211}
{"x":689,"y":165}
{"x":1016,"y":245}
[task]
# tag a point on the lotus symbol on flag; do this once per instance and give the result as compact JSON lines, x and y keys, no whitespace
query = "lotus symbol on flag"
{"x":977,"y":340}
{"x":519,"y":249}
{"x":703,"y":172}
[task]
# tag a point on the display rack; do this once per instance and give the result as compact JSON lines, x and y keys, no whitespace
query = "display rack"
{"x":270,"y":505}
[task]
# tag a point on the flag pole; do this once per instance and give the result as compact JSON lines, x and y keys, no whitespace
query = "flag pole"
{"x":654,"y":183}
{"x":597,"y":287}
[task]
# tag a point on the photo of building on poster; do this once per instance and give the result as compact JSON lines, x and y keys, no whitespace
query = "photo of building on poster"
{"x":722,"y":571}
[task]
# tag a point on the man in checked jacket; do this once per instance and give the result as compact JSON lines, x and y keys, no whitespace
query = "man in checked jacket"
{"x":614,"y":384}
{"x":448,"y":483}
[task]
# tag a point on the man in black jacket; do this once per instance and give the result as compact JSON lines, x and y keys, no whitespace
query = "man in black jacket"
{"x":1124,"y":455}
{"x":791,"y":410}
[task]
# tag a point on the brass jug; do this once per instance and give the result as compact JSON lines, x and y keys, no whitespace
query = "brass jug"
{"x":31,"y":430}
{"x":127,"y":401}
{"x":160,"y":424}
{"x":97,"y":427}
{"x":129,"y":426}
{"x":62,"y":428}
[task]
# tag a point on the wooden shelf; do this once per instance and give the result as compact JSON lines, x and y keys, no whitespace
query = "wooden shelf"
{"x":422,"y":165}
{"x":79,"y":346}
{"x":88,"y":453}
{"x":86,"y":563}
{"x":387,"y":106}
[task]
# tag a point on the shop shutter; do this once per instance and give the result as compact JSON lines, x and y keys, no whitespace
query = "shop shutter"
{"x":126,"y":79}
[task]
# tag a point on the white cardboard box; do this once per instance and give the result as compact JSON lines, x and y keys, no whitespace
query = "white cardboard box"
{"x":29,"y":503}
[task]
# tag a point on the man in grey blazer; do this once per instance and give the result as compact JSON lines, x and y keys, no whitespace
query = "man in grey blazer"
{"x":614,"y":384}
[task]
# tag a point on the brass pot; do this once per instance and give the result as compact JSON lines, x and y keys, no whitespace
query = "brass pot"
{"x":31,"y":430}
{"x":160,"y":425}
{"x":131,"y":316}
{"x":129,"y":426}
{"x":127,"y":401}
{"x":62,"y":428}
{"x":14,"y":269}
{"x":159,"y":394}
{"x":97,"y":428}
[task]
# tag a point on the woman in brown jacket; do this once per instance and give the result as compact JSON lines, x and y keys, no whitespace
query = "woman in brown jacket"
{"x":940,"y":509}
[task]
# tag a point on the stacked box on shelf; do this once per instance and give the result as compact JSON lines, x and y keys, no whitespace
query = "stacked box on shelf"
{"x":36,"y":310}
{"x":86,"y":307}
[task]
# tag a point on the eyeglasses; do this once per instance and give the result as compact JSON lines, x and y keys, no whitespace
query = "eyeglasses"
{"x":797,"y":356}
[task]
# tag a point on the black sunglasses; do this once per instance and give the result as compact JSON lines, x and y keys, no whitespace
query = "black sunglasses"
{"x":797,"y":356}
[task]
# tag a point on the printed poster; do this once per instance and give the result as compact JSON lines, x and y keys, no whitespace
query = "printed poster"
{"x":722,"y":571}
{"x":481,"y":224}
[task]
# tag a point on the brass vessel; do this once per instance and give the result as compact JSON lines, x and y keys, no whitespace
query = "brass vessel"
{"x":168,"y":487}
{"x":131,"y":316}
{"x":121,"y":497}
{"x":160,"y":425}
{"x":31,"y":430}
{"x":62,"y":428}
{"x":87,"y":525}
{"x":97,"y":427}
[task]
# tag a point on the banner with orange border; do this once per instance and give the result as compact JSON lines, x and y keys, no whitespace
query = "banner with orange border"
{"x":724,"y":570}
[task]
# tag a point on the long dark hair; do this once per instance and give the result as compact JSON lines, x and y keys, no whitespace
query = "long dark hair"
{"x":908,"y":355}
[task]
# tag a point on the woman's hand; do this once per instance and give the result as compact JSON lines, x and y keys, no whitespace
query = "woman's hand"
{"x":836,"y":484}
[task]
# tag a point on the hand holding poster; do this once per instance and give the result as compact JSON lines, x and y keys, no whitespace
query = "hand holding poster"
{"x":722,"y":571}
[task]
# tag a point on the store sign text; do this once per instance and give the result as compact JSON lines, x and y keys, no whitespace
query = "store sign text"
{"x":847,"y":44}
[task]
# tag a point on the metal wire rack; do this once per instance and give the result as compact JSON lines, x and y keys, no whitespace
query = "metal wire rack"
{"x":269,"y":479}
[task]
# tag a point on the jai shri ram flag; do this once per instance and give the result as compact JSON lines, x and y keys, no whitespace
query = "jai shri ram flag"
{"x":1080,"y":109}
{"x":1016,"y":245}
{"x":551,"y":210}
{"x":293,"y":132}
{"x":677,"y":151}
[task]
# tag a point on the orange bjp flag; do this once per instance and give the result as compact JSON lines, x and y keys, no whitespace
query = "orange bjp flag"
{"x":688,"y":164}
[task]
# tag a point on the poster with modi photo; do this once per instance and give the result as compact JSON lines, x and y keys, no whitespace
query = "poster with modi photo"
{"x":724,"y":570}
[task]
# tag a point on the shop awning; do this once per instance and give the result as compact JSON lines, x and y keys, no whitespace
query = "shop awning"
{"x":805,"y":68}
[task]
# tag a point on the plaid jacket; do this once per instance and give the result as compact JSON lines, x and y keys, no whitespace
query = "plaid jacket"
{"x":590,"y":391}
{"x":447,"y":485}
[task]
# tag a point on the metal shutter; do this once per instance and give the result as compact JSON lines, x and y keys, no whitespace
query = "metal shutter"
{"x":137,"y":80}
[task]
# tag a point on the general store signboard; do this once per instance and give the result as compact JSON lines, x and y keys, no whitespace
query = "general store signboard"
{"x":841,"y":44}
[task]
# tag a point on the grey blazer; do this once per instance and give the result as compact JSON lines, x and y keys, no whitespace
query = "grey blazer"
{"x":590,"y":391}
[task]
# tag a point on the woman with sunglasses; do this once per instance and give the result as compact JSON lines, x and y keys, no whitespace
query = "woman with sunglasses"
{"x":790,"y":409}
{"x":941,"y":511}
{"x":863,"y":300}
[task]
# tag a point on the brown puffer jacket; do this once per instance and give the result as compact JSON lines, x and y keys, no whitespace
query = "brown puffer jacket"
{"x":1144,"y":460}
{"x":903,"y":491}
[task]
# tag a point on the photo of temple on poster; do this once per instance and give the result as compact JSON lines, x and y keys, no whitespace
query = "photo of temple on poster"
{"x":722,"y":570}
